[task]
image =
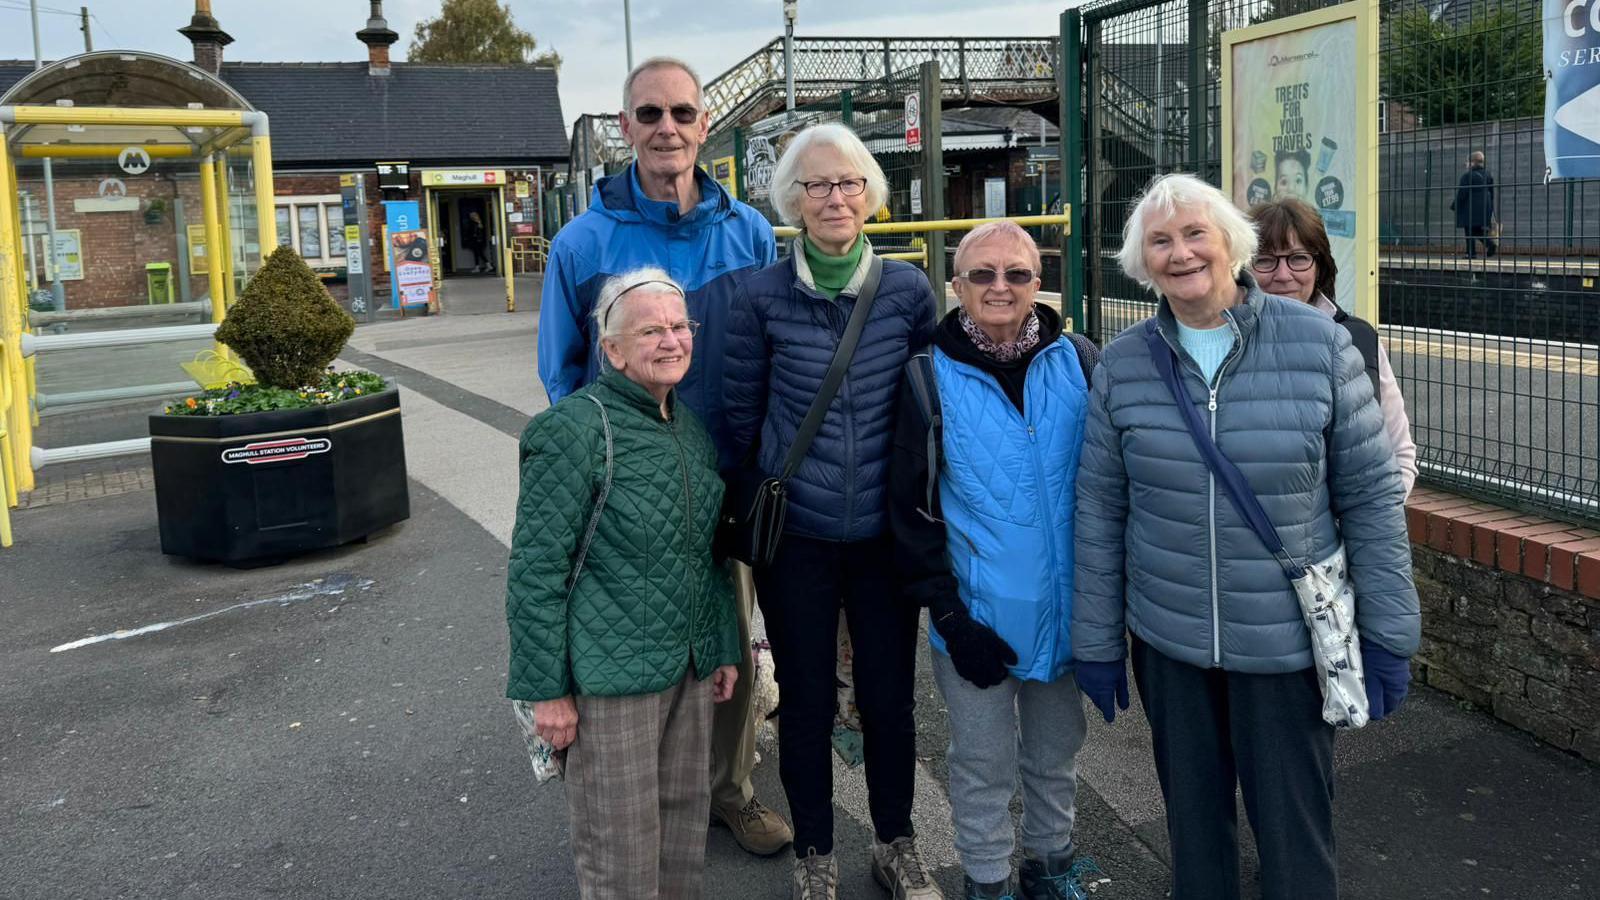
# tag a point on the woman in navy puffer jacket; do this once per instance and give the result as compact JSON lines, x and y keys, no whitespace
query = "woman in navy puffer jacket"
{"x":1221,"y":654}
{"x":783,"y":327}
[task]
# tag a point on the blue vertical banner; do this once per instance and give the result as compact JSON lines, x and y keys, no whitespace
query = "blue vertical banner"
{"x":408,"y":253}
{"x":1572,"y":88}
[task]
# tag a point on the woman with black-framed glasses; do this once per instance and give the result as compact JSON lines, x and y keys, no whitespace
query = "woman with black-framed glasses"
{"x":1295,"y":260}
{"x":785,"y":324}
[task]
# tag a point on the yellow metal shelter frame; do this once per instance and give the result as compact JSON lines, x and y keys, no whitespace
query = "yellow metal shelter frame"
{"x":24,"y":133}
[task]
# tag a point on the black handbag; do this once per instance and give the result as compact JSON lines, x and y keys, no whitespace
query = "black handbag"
{"x":755,"y":504}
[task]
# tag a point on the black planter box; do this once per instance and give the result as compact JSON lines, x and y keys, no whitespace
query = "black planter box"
{"x":270,"y":485}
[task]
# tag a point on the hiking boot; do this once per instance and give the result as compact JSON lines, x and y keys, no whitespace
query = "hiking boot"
{"x":758,"y":830}
{"x":1058,"y":877}
{"x":898,"y":867}
{"x":815,"y":877}
{"x":999,"y":890}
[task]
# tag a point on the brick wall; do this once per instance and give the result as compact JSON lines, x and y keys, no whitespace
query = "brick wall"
{"x":117,"y":245}
{"x":1510,"y":615}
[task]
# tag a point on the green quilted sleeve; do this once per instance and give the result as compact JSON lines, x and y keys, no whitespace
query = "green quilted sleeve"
{"x":554,"y":505}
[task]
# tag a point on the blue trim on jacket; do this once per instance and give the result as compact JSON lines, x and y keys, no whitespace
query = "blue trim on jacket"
{"x":1007,"y":489}
{"x":710,"y":250}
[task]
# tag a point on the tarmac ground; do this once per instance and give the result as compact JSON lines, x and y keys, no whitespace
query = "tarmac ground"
{"x":335,"y":726}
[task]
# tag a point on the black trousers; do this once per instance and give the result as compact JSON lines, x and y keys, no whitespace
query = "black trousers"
{"x":1211,"y":728}
{"x":1479,"y":233}
{"x":800,"y":595}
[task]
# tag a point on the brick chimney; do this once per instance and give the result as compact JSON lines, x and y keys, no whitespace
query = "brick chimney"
{"x":207,"y":37}
{"x":377,"y":37}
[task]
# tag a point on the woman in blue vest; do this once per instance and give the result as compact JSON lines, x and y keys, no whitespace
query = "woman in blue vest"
{"x":987,"y":438}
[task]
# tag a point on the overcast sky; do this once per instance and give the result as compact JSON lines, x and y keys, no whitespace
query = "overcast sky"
{"x":713,"y":35}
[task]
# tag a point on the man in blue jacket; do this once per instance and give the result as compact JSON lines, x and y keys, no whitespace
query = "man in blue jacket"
{"x":664,"y":211}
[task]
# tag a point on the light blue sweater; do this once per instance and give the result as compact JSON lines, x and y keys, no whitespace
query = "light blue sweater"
{"x":1208,"y":346}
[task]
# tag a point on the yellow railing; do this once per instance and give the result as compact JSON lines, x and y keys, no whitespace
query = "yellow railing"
{"x":8,"y":478}
{"x":921,"y":227}
{"x":530,"y":254}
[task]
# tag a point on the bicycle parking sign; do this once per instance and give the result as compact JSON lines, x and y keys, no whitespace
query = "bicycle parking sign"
{"x":914,"y":121}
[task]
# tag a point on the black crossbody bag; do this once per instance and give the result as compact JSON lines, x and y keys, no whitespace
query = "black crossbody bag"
{"x":755,"y":504}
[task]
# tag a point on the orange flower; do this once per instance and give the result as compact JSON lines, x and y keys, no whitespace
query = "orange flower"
{"x":190,"y":402}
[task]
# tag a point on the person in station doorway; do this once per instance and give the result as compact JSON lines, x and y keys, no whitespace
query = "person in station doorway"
{"x":662,"y":210}
{"x":477,"y":240}
{"x":1474,"y":206}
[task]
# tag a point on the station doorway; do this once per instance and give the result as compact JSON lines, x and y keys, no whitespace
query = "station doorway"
{"x":467,"y":225}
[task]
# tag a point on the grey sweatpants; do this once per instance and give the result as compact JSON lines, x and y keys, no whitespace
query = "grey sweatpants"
{"x":1032,"y":728}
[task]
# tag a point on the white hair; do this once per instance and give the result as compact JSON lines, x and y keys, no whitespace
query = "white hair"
{"x":1165,"y":196}
{"x":608,"y":319}
{"x":661,"y":62}
{"x":786,"y":189}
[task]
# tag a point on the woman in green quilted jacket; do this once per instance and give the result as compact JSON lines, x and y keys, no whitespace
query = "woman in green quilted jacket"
{"x":622,"y":628}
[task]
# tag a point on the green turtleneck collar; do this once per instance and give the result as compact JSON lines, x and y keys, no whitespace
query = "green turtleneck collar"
{"x":832,"y":273}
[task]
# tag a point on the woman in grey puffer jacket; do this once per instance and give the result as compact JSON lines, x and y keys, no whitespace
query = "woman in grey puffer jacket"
{"x":1220,"y":652}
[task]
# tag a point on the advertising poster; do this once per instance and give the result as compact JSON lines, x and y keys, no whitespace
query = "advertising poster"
{"x":1572,"y":89}
{"x":199,"y":263}
{"x":1297,"y":125}
{"x":69,"y":254}
{"x":723,"y":171}
{"x":413,"y":271}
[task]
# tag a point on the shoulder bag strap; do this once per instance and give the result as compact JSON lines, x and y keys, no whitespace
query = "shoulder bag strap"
{"x":599,"y":501}
{"x":925,"y":387}
{"x":1244,"y":499}
{"x":836,"y":369}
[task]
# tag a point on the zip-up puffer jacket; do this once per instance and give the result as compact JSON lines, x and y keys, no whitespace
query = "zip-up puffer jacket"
{"x":782,"y":334}
{"x":1161,"y":550}
{"x":649,"y":604}
{"x":708,"y":251}
{"x":1006,"y":490}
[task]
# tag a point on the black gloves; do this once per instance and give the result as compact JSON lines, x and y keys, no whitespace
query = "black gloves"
{"x":979,"y":655}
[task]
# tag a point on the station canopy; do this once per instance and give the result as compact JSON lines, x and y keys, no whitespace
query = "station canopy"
{"x":127,"y":80}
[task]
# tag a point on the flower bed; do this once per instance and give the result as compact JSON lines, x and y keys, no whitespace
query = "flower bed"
{"x":237,"y":398}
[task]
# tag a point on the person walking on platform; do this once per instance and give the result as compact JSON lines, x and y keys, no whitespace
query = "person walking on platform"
{"x":662,"y":210}
{"x":1474,"y":206}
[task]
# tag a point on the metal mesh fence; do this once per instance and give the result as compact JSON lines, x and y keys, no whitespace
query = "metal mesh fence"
{"x":1497,"y":355}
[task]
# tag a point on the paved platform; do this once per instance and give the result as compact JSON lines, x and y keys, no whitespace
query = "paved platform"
{"x":333,"y":727}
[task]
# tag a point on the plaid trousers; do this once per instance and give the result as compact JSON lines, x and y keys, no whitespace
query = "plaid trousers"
{"x":637,"y":793}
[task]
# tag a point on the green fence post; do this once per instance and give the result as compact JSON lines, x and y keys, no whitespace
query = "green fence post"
{"x":1069,"y":85}
{"x":738,"y":164}
{"x":933,"y":176}
{"x":1199,"y":86}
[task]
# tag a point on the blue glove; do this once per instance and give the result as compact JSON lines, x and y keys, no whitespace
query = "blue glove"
{"x":1387,"y":677}
{"x":1105,"y":684}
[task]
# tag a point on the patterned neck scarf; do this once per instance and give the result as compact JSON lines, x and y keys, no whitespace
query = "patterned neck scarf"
{"x":995,"y":350}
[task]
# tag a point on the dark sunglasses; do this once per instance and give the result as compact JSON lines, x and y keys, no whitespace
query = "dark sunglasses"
{"x":986,"y":277}
{"x":683,"y":114}
{"x":1267,"y":263}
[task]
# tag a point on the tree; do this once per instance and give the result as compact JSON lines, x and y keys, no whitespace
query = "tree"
{"x":1486,"y":68}
{"x":475,"y":31}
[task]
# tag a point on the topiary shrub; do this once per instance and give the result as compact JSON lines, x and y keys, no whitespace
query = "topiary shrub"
{"x":285,"y":326}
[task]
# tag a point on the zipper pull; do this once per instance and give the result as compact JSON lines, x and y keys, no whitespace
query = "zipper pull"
{"x":1212,"y":403}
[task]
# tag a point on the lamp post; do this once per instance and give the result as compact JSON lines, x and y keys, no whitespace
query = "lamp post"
{"x":790,"y":11}
{"x":627,"y":31}
{"x":58,"y":291}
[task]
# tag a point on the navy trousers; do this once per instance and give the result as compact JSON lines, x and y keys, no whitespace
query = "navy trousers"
{"x":1213,"y":729}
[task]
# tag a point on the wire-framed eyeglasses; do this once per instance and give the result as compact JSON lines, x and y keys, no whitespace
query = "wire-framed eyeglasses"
{"x":680,"y":330}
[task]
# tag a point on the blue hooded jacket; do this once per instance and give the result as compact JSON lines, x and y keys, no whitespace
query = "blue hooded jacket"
{"x":709,"y":251}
